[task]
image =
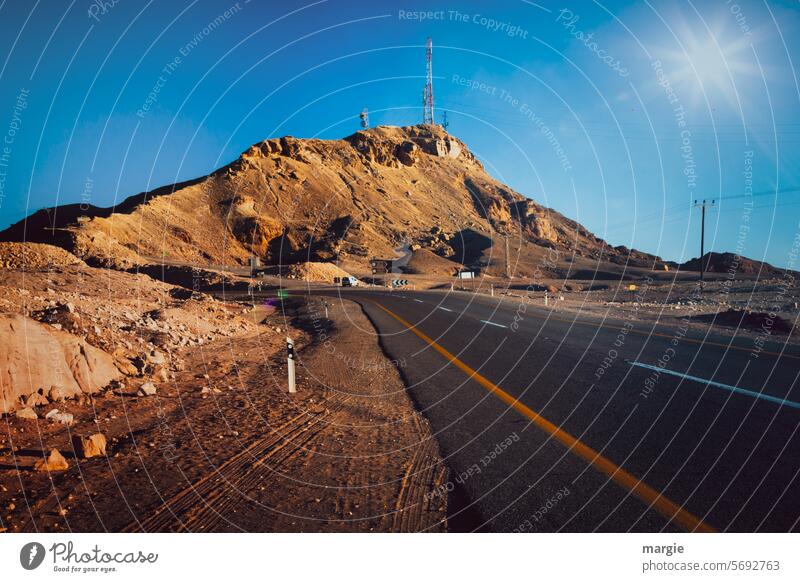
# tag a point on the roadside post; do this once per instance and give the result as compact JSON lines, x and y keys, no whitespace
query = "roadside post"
{"x":290,"y":363}
{"x":491,"y":288}
{"x":545,"y":298}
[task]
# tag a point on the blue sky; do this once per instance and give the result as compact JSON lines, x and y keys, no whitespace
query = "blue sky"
{"x":616,"y":114}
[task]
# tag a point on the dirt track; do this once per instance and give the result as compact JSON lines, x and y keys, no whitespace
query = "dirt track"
{"x":347,"y":453}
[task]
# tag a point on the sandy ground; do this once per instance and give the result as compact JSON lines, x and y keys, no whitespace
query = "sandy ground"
{"x":223,"y":447}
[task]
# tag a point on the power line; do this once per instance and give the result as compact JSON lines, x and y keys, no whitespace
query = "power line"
{"x":681,"y":209}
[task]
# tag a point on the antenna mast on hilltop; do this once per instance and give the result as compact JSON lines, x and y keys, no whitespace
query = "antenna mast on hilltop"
{"x":364,"y":118}
{"x":427,"y":96}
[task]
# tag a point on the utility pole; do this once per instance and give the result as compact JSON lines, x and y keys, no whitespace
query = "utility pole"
{"x":508,"y":269}
{"x":703,"y":205}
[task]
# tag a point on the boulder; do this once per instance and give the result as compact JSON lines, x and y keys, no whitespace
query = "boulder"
{"x":57,"y":394}
{"x":91,"y":446}
{"x":160,"y":374}
{"x":56,"y":415}
{"x":36,"y":399}
{"x":54,"y":462}
{"x":33,"y":355}
{"x":124,"y":365}
{"x":26,"y":414}
{"x":147,"y":389}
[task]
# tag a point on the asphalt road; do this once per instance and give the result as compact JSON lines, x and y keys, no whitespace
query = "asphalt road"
{"x":552,"y":423}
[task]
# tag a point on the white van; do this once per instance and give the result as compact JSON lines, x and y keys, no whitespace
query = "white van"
{"x":349,"y":281}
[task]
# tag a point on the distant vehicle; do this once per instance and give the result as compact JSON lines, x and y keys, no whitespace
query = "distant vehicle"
{"x":349,"y":281}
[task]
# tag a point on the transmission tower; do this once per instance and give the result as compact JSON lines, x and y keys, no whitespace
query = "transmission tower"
{"x":427,"y":114}
{"x":364,"y":118}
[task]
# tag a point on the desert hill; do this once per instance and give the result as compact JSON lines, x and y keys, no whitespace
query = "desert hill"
{"x":729,"y":263}
{"x":291,"y":200}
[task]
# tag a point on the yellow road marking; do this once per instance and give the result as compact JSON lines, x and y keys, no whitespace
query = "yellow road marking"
{"x":666,"y":507}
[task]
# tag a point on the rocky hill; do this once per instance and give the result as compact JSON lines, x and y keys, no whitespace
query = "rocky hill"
{"x":731,"y":263}
{"x":291,"y":200}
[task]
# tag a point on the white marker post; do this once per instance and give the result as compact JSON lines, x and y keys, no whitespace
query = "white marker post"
{"x":491,"y":288}
{"x":545,"y":298}
{"x":290,"y":363}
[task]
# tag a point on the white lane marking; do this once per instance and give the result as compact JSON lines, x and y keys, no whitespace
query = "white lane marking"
{"x":735,"y":389}
{"x":419,"y":300}
{"x":493,"y":323}
{"x":444,"y":308}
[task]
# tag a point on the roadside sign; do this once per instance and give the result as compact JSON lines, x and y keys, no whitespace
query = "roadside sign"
{"x":290,"y":364}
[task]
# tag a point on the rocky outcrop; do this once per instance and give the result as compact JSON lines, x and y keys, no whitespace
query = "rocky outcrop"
{"x":250,"y":227}
{"x":34,"y":358}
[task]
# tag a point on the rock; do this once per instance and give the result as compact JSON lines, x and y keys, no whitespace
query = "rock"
{"x":67,"y":361}
{"x":57,"y":394}
{"x":56,"y":415}
{"x":156,"y":358}
{"x":147,"y":389}
{"x":160,"y":374}
{"x":54,"y":462}
{"x":91,"y":446}
{"x":125,"y":366}
{"x":36,"y":399}
{"x":26,"y":414}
